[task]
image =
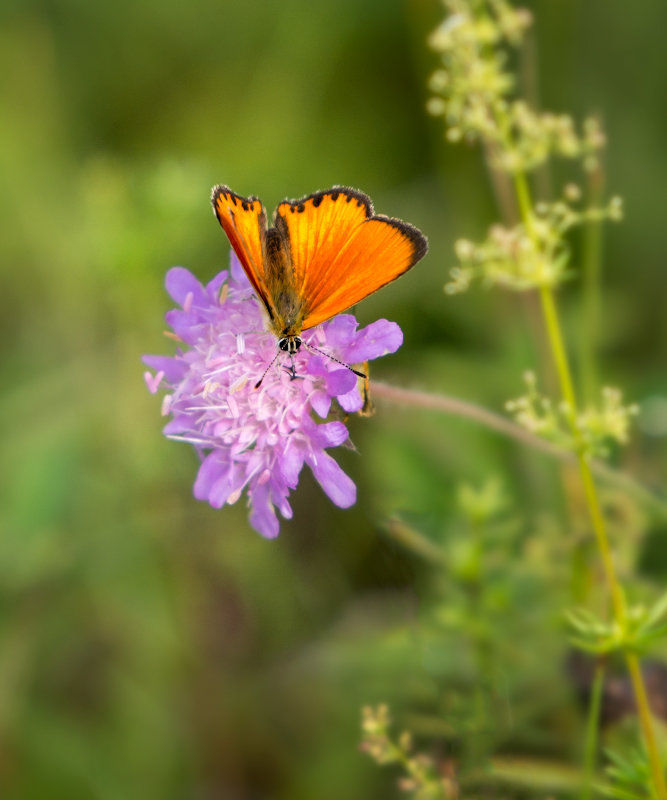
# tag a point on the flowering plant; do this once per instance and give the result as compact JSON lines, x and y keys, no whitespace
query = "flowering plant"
{"x":258,"y":439}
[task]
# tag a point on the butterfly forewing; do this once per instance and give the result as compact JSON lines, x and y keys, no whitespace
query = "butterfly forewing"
{"x":341,"y":253}
{"x":317,"y":227}
{"x":244,"y":221}
{"x":380,"y":251}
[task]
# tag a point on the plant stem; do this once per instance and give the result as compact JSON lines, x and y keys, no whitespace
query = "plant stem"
{"x":415,"y":541}
{"x":590,"y":270}
{"x":567,"y":389}
{"x":644,"y":711}
{"x":592,"y":727}
{"x":446,"y":404}
{"x":562,"y":365}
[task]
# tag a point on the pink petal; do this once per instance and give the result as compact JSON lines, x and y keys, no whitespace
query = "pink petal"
{"x":338,"y":486}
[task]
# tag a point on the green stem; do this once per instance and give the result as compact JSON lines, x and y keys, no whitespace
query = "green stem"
{"x":415,"y":541}
{"x":559,"y":354}
{"x":592,"y":727}
{"x":599,"y":528}
{"x":644,"y":711}
{"x":523,"y":197}
{"x":567,"y":390}
{"x":561,"y":361}
{"x":562,"y":365}
{"x":446,"y":404}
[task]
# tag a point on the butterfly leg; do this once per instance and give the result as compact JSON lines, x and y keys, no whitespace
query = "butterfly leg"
{"x":291,"y":370}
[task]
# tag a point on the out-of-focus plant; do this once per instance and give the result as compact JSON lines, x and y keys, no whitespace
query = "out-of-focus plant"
{"x":486,"y":568}
{"x":598,"y":426}
{"x":475,"y":92}
{"x":421,"y":777}
{"x":629,"y":776}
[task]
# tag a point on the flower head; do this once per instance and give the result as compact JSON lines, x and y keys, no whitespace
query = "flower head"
{"x":251,"y":439}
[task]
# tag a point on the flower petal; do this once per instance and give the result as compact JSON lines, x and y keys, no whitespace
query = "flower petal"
{"x":290,"y":464}
{"x":153,"y":381}
{"x":214,"y":285}
{"x":375,"y":340}
{"x":351,"y":401}
{"x":185,"y":324}
{"x":338,"y":486}
{"x":173,"y":368}
{"x":181,"y":283}
{"x":262,"y":514}
{"x":340,"y":331}
{"x":341,"y":381}
{"x":321,"y":403}
{"x":328,"y":434}
{"x":211,"y":470}
{"x":238,"y":275}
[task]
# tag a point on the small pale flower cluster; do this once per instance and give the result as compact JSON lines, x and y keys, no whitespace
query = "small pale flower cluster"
{"x":473,"y":77}
{"x":590,"y":433}
{"x":421,"y":778}
{"x":538,"y":135}
{"x":375,"y":724}
{"x":472,"y":91}
{"x":537,"y":413}
{"x":511,"y":258}
{"x":526,"y":257}
{"x":611,"y":421}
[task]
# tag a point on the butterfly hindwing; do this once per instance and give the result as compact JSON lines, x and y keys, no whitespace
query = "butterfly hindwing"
{"x":244,"y":221}
{"x":341,"y":252}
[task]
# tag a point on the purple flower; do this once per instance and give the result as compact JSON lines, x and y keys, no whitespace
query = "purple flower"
{"x":258,"y":440}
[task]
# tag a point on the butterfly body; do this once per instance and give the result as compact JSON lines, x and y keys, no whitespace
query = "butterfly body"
{"x":286,"y":309}
{"x":322,"y":254}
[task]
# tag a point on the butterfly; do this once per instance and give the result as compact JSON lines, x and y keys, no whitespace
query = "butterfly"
{"x":321,"y":254}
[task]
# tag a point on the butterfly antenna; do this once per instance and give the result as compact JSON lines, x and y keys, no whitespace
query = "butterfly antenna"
{"x":333,"y":358}
{"x":273,"y":361}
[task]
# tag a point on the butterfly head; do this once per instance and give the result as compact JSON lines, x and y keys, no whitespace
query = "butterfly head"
{"x":290,"y":344}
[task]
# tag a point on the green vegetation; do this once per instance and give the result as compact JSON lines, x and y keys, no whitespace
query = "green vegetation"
{"x":153,"y":647}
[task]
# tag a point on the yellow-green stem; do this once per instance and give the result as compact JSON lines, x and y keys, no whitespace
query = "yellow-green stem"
{"x":599,"y":528}
{"x":561,"y":361}
{"x":523,"y":198}
{"x":644,"y":711}
{"x":567,"y":389}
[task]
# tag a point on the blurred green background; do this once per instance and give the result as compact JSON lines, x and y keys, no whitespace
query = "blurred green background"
{"x":152,"y":647}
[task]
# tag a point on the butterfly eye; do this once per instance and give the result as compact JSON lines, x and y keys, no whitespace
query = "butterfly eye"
{"x":290,"y":344}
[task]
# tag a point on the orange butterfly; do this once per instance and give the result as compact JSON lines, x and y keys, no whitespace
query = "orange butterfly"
{"x":323,"y":254}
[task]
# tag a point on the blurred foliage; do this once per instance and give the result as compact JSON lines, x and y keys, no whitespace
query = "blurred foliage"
{"x":151,"y":647}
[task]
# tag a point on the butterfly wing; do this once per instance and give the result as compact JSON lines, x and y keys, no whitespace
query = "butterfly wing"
{"x":243,"y":219}
{"x":341,"y":252}
{"x":380,"y":250}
